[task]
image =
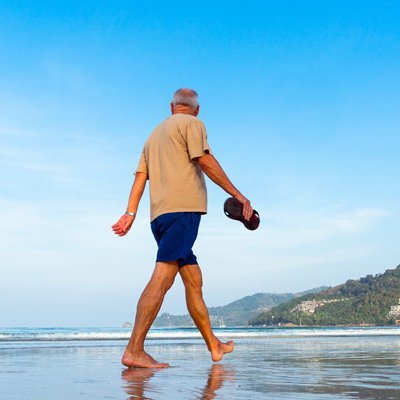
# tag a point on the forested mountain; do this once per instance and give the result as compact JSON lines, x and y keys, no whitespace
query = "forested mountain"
{"x":237,"y":313}
{"x":369,"y":300}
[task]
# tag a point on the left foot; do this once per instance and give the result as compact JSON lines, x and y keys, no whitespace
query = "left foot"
{"x":141,"y":360}
{"x":219,"y":349}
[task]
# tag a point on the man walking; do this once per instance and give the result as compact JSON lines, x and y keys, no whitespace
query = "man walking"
{"x":173,"y":161}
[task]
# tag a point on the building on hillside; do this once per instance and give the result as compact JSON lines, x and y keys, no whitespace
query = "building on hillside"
{"x":394,"y":313}
{"x":310,"y":306}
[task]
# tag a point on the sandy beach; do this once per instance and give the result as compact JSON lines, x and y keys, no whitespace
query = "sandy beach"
{"x":277,"y":368}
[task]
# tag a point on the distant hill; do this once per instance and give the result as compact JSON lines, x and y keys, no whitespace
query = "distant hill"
{"x":372,"y":300}
{"x":237,"y":313}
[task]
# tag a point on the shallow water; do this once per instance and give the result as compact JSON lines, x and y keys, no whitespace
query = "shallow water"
{"x":355,"y":367}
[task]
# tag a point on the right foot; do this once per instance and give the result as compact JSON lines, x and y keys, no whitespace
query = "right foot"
{"x":141,"y":360}
{"x":219,"y":349}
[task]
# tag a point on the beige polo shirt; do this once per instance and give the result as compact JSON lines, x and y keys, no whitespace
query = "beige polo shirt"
{"x":176,"y":181}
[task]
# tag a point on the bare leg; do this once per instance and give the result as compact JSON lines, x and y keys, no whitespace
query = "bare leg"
{"x":147,"y":309}
{"x":192,"y":279}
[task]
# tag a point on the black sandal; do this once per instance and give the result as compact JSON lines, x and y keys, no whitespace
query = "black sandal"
{"x":233,"y":209}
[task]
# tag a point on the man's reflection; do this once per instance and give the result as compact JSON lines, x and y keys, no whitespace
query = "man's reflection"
{"x":138,"y":382}
{"x":216,"y":378}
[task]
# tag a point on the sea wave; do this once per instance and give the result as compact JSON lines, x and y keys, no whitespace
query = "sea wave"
{"x":96,"y":334}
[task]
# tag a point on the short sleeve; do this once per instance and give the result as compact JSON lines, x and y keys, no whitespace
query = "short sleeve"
{"x":142,"y":166}
{"x":196,"y":139}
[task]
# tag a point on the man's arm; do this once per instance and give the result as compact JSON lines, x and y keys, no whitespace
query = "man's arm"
{"x":123,"y":225}
{"x":214,"y":171}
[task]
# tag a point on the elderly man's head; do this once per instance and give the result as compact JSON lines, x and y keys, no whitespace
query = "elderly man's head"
{"x":185,"y":101}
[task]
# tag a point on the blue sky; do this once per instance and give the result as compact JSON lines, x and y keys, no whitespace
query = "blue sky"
{"x":301,"y":103}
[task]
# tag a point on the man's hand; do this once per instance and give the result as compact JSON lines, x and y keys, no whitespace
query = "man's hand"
{"x":121,"y":228}
{"x":247,"y":208}
{"x":123,"y":225}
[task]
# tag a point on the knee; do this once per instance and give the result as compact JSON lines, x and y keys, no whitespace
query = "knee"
{"x":194,"y":285}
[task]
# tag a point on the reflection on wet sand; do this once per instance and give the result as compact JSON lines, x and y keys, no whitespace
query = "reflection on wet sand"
{"x":300,"y":368}
{"x":325,"y":368}
{"x":137,"y":382}
{"x":216,"y":378}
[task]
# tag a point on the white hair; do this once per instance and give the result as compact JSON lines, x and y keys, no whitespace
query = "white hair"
{"x":186,"y":97}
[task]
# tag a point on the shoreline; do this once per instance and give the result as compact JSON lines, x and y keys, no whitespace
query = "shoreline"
{"x":301,"y":369}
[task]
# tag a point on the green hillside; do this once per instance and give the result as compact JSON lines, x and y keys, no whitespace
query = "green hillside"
{"x":364,"y":301}
{"x":237,"y":313}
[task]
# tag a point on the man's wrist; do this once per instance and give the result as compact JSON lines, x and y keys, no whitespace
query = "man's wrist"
{"x":132,"y":214}
{"x":236,"y":194}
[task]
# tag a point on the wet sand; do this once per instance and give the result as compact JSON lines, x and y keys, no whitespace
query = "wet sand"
{"x":278,"y":368}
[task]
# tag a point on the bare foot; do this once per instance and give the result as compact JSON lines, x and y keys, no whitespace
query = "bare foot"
{"x":219,"y":349}
{"x":141,"y":360}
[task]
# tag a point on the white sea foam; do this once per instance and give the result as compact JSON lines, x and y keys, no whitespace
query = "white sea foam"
{"x":3,"y":336}
{"x":281,"y":333}
{"x":94,"y":334}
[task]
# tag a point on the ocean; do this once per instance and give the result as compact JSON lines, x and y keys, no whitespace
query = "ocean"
{"x":268,"y":363}
{"x":31,"y":335}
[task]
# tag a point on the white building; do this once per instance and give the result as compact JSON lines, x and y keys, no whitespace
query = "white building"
{"x":394,"y":312}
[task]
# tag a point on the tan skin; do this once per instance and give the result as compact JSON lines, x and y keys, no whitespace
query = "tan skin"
{"x":165,"y":272}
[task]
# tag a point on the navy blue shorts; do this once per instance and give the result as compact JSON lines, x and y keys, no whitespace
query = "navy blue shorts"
{"x":175,"y":234}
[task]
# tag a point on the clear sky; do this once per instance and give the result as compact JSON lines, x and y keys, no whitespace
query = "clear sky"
{"x":301,"y":102}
